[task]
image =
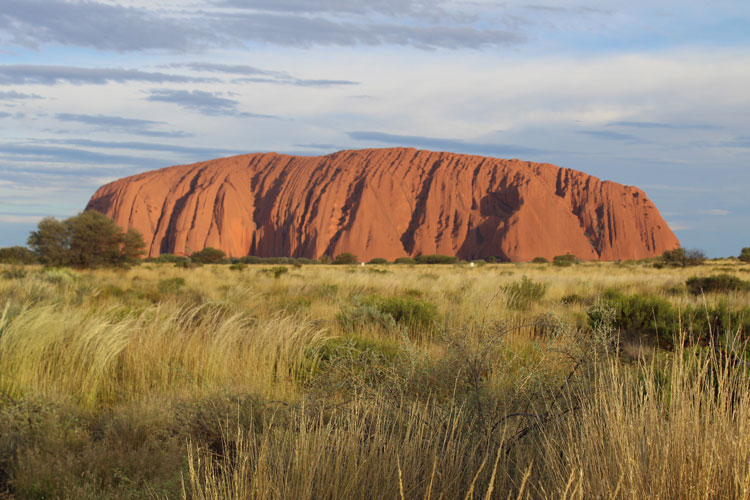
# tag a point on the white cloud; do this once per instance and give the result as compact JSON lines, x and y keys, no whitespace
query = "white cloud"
{"x":20,"y":219}
{"x":717,"y":211}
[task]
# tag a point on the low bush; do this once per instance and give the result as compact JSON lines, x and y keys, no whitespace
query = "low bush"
{"x":565,"y":260}
{"x":17,"y":255}
{"x":238,"y":266}
{"x":436,"y":259}
{"x":657,"y":317}
{"x":345,"y":258}
{"x":539,"y":260}
{"x":717,"y":283}
{"x":404,"y":260}
{"x":168,"y":258}
{"x":521,"y":295}
{"x":410,"y":312}
{"x":745,"y":255}
{"x":208,"y":255}
{"x":378,"y":260}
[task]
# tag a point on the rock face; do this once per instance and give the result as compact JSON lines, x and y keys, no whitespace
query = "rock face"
{"x":385,"y":203}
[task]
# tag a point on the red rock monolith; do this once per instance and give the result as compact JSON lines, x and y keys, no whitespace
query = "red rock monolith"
{"x":385,"y":203}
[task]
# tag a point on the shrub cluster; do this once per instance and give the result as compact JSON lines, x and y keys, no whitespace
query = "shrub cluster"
{"x":404,"y":260}
{"x":436,"y":259}
{"x":658,"y":318}
{"x":745,"y":254}
{"x":389,"y":312}
{"x":209,"y":255}
{"x":717,"y":283}
{"x":17,"y":255}
{"x":565,"y":260}
{"x":522,"y":294}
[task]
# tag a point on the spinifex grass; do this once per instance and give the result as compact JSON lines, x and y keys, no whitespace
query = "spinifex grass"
{"x":211,"y":382}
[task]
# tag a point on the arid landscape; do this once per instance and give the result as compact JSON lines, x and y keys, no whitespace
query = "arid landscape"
{"x":374,"y":249}
{"x":288,"y":380}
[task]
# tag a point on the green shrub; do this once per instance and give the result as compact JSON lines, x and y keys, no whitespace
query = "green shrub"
{"x":15,"y":272}
{"x":346,"y":362}
{"x":345,"y":258}
{"x":745,"y":254}
{"x":389,"y":312}
{"x":539,"y":260}
{"x":565,"y":260}
{"x":404,"y":260}
{"x":436,"y":259}
{"x":239,"y":266}
{"x":716,"y":283}
{"x":410,"y":311}
{"x":17,"y":255}
{"x":522,"y":294}
{"x":208,"y":255}
{"x":658,"y":318}
{"x":378,"y":260}
{"x":168,"y":258}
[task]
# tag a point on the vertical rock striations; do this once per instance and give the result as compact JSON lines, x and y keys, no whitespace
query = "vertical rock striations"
{"x":385,"y":203}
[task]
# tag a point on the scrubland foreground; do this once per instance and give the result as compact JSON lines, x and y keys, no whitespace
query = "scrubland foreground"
{"x":384,"y":381}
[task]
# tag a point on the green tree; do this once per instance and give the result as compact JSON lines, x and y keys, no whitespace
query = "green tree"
{"x":89,"y":239}
{"x":208,"y":255}
{"x":745,"y":254}
{"x":133,"y":246}
{"x":95,"y":240}
{"x":51,"y":242}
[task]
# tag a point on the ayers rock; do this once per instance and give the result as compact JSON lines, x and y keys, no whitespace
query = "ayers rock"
{"x":385,"y":203}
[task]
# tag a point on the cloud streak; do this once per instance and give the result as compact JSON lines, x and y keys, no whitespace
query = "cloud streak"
{"x":207,"y":103}
{"x":103,"y":26}
{"x":121,"y":124}
{"x":444,"y":144}
{"x":30,"y":74}
{"x":251,"y":74}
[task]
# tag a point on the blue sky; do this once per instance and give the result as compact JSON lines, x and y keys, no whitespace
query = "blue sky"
{"x":652,"y":94}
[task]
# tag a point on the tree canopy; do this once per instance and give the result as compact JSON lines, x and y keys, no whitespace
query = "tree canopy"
{"x":89,"y":239}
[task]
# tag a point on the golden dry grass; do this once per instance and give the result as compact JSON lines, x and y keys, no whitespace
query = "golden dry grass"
{"x":242,"y":385}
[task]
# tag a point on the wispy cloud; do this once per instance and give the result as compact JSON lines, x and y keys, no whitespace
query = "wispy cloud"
{"x":99,"y":25}
{"x":12,"y":95}
{"x":609,"y":135}
{"x":121,"y":124}
{"x":20,"y":219}
{"x":149,"y":146}
{"x":718,"y":212}
{"x":251,"y":74}
{"x":103,"y":26}
{"x":207,"y":103}
{"x":658,"y":125}
{"x":677,"y":226}
{"x":444,"y":144}
{"x":23,"y":74}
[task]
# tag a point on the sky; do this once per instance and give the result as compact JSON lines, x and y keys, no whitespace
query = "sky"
{"x":644,"y":93}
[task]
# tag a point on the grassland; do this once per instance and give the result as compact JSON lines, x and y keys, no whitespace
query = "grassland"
{"x":383,"y":381}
